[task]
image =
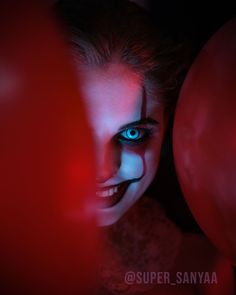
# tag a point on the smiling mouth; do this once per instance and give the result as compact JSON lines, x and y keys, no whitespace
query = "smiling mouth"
{"x":111,"y":195}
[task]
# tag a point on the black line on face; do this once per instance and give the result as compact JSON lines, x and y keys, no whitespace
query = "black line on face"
{"x":138,"y":178}
{"x":143,"y":119}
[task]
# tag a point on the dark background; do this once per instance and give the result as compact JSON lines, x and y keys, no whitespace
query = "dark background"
{"x":196,"y":20}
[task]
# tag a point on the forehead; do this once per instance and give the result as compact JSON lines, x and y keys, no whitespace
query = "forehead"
{"x":113,"y":94}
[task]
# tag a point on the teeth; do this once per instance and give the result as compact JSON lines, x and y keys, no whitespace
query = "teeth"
{"x":107,"y":193}
{"x":104,"y":193}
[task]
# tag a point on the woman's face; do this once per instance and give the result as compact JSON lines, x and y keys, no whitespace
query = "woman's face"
{"x":127,"y":126}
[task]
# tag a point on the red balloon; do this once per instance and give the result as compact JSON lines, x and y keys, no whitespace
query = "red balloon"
{"x":205,"y":139}
{"x":47,"y":182}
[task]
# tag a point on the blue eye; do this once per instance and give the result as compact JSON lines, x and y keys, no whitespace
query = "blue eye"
{"x":133,"y":135}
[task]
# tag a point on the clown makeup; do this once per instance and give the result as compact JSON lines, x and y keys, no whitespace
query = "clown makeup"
{"x":127,"y":126}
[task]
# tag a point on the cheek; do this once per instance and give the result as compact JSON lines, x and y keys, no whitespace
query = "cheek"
{"x":152,"y":156}
{"x":139,"y":161}
{"x":151,"y":160}
{"x":132,"y":164}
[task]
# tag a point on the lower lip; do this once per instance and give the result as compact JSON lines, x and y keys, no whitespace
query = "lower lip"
{"x":107,"y":202}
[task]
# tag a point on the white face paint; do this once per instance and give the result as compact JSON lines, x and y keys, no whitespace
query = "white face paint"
{"x":128,"y":130}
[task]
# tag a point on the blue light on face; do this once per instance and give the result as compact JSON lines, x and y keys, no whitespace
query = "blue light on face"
{"x":134,"y":135}
{"x":131,"y":134}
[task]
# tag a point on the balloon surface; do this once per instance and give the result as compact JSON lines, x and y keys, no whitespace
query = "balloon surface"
{"x":204,"y":139}
{"x":47,"y":181}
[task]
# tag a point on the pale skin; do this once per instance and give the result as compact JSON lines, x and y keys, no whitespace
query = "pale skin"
{"x":128,"y":131}
{"x":128,"y":125}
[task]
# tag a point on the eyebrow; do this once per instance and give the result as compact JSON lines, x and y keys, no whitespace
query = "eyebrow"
{"x":146,"y":121}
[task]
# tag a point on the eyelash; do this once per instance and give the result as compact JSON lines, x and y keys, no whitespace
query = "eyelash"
{"x":143,"y":133}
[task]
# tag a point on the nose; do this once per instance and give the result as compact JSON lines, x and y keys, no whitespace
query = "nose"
{"x":108,"y":161}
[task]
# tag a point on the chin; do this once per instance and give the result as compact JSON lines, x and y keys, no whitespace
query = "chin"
{"x":111,"y":215}
{"x":108,"y":216}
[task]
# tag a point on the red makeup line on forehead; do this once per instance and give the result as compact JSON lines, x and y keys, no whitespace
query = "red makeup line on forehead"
{"x":144,"y":104}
